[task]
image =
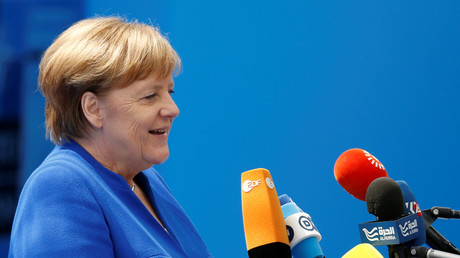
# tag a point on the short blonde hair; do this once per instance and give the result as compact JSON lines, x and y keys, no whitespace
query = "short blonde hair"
{"x":95,"y":55}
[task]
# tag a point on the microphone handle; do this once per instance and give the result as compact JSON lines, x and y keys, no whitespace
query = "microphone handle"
{"x":425,"y":252}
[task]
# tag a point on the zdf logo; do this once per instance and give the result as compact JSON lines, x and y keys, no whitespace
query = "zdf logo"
{"x":248,"y":185}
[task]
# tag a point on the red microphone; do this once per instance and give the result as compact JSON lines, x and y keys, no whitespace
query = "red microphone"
{"x":355,"y":169}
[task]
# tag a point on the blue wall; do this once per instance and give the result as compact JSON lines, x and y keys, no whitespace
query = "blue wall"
{"x":27,"y":28}
{"x":291,"y":85}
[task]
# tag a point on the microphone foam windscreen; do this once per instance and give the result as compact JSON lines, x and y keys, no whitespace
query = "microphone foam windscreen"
{"x":411,"y":206}
{"x":363,"y":250}
{"x":355,"y":169}
{"x":284,"y":198}
{"x":264,"y":226}
{"x":384,"y":199}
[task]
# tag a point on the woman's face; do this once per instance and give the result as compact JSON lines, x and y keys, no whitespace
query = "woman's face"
{"x":137,"y":120}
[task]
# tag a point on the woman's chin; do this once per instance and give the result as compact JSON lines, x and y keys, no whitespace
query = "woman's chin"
{"x":159,"y":157}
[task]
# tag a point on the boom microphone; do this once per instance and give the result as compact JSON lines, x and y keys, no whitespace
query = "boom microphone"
{"x":355,"y":169}
{"x":363,"y":250}
{"x":264,"y":227}
{"x":303,"y":235}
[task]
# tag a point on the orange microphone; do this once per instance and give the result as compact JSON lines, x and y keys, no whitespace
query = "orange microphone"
{"x":264,"y":226}
{"x":355,"y":169}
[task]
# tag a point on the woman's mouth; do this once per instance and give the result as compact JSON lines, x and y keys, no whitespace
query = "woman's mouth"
{"x":158,"y":132}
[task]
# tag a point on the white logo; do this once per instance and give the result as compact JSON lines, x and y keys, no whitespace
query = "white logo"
{"x":269,"y":182}
{"x":306,"y":223}
{"x":371,"y":235}
{"x":409,"y":228}
{"x":374,"y":161}
{"x":248,"y":185}
{"x":379,"y":233}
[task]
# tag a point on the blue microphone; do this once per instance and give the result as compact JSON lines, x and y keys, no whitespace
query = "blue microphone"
{"x":411,"y":206}
{"x":303,"y":235}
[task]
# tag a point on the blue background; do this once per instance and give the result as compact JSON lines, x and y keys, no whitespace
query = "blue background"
{"x":289,"y":86}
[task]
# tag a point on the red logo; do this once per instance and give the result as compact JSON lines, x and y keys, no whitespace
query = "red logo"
{"x":417,"y":209}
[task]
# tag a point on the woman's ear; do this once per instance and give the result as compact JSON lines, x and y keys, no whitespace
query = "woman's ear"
{"x":91,"y":106}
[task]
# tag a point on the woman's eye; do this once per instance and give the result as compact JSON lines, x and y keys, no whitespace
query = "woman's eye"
{"x":151,"y":96}
{"x":171,"y":92}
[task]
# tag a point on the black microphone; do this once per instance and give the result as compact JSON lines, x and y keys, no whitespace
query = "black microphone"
{"x":384,"y":199}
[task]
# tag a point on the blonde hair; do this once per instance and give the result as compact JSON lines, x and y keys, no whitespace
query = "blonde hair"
{"x":95,"y":55}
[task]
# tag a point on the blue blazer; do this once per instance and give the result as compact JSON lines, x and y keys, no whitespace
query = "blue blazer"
{"x":72,"y":206}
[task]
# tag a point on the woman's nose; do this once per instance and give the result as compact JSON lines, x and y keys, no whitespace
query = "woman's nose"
{"x":170,"y":109}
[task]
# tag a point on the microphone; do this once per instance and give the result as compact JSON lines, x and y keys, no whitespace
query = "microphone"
{"x":355,"y":169}
{"x":384,"y":199}
{"x":264,"y":227}
{"x":363,"y":250}
{"x":353,"y":173}
{"x":428,"y":234}
{"x":303,"y":235}
{"x":411,"y":206}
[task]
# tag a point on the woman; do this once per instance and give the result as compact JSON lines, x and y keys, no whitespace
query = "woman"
{"x":107,"y":85}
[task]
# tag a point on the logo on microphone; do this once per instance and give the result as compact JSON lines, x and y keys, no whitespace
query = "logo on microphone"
{"x":413,"y":208}
{"x":417,"y":209}
{"x":380,"y":234}
{"x":248,"y":185}
{"x":306,"y":223}
{"x":391,"y":232}
{"x":270,"y":183}
{"x":409,"y":228}
{"x":374,"y":161}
